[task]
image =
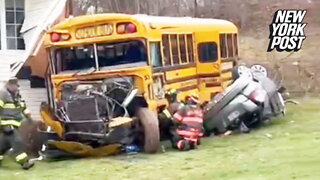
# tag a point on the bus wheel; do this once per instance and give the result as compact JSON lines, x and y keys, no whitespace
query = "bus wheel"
{"x":150,"y":126}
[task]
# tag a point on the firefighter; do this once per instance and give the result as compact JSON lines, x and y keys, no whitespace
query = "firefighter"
{"x":166,"y":113}
{"x":187,"y":129}
{"x":12,"y":112}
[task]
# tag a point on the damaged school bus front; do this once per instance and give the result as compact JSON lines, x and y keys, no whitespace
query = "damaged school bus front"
{"x":98,"y":89}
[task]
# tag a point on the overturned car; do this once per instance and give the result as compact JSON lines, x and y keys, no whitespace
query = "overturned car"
{"x":250,"y":100}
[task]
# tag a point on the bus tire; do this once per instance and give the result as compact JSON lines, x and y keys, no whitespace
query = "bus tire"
{"x":150,"y":126}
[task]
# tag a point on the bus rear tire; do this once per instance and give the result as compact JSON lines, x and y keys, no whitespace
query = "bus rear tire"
{"x":150,"y":126}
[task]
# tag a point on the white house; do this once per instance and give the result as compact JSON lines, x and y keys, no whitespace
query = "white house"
{"x":22,"y":25}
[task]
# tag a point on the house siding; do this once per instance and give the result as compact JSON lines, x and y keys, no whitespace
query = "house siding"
{"x":33,"y":98}
{"x":37,"y":12}
{"x":7,"y":58}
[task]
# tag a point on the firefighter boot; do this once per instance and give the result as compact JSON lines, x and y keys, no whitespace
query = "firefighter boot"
{"x":27,"y":165}
{"x":183,"y":145}
{"x":24,"y":161}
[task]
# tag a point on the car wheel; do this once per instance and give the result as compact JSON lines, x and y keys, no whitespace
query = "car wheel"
{"x":259,"y":70}
{"x":241,"y":71}
{"x":265,"y":70}
{"x":150,"y":126}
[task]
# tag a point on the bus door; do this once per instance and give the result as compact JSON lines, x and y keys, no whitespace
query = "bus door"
{"x":156,"y":89}
{"x":208,"y":65}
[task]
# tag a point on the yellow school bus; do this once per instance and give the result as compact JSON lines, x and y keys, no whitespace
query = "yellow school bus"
{"x":154,"y":54}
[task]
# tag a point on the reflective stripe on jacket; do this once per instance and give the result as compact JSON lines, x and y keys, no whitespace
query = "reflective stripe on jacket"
{"x":190,"y":120}
{"x":10,"y":108}
{"x":10,"y":123}
{"x":167,"y":113}
{"x":190,"y":116}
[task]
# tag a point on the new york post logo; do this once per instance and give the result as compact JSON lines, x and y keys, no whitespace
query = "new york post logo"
{"x":287,"y":30}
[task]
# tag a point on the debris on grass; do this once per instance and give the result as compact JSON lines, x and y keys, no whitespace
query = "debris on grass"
{"x":270,"y":136}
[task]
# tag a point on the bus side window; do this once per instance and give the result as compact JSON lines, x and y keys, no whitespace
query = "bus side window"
{"x":174,"y":48}
{"x":190,"y":47}
{"x":230,"y":45}
{"x":166,"y":50}
{"x":235,"y":43}
{"x":223,"y":46}
{"x":155,"y":54}
{"x":183,"y":52}
{"x":208,"y":52}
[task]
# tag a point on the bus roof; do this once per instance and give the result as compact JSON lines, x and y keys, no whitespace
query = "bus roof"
{"x":155,"y":21}
{"x":181,"y":21}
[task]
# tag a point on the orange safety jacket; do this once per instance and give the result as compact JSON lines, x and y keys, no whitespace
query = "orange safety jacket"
{"x":190,"y":122}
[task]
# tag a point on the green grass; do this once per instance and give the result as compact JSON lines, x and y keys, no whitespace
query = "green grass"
{"x":286,"y":148}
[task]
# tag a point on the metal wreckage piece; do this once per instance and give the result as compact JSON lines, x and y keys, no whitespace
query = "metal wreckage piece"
{"x":92,"y":120}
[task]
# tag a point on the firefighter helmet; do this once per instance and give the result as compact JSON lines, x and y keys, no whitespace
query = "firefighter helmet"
{"x":192,"y":99}
{"x":171,"y":95}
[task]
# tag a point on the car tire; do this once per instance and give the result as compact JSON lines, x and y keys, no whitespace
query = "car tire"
{"x":259,"y":70}
{"x":271,"y":73}
{"x":241,"y":70}
{"x":151,"y":131}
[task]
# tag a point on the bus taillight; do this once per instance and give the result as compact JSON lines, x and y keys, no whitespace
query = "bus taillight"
{"x":123,"y":28}
{"x":56,"y":37}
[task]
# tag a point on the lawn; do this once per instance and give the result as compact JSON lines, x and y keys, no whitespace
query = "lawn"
{"x":286,"y":148}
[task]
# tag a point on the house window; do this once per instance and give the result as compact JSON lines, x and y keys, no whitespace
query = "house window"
{"x":14,"y":16}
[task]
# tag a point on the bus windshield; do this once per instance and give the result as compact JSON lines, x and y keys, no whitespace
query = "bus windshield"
{"x":99,"y":55}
